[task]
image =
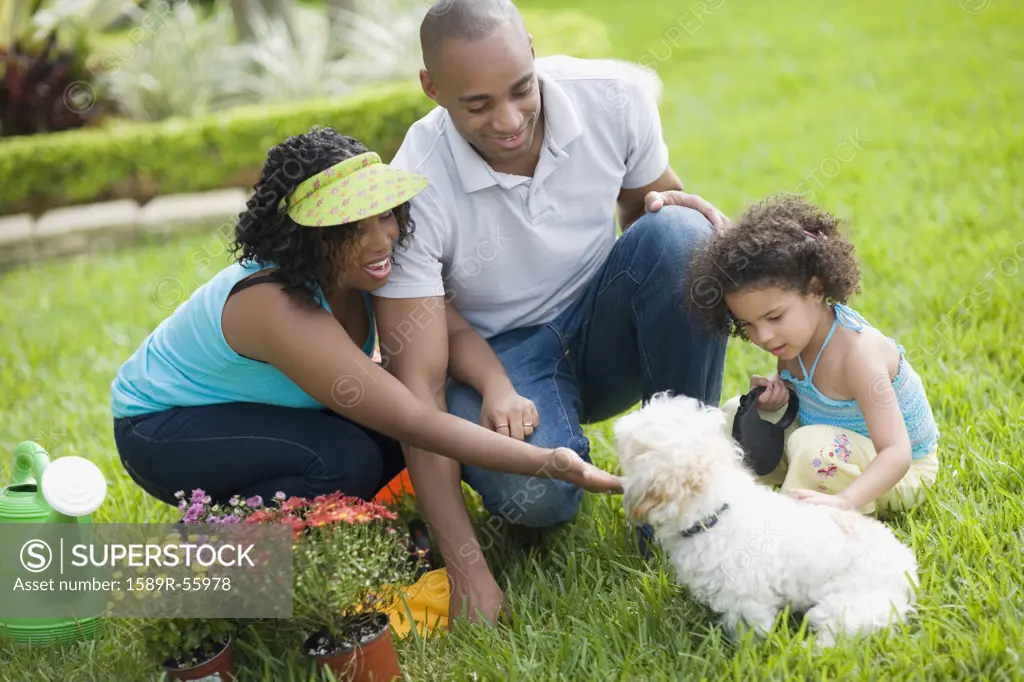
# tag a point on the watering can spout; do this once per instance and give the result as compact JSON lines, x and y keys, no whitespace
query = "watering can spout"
{"x":30,"y":461}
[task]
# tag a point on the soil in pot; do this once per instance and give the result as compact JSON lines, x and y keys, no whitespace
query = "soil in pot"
{"x":217,"y":667}
{"x":365,"y":652}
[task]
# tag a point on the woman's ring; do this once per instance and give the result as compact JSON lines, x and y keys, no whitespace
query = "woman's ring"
{"x":528,"y":424}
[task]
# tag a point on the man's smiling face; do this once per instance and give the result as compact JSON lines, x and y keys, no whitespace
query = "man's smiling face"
{"x":491,"y":91}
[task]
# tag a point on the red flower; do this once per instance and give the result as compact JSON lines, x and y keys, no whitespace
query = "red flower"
{"x":297,"y":524}
{"x":293,"y":504}
{"x":262,"y":516}
{"x":327,"y":517}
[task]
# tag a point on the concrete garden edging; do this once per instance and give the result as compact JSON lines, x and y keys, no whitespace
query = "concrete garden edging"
{"x":72,"y":230}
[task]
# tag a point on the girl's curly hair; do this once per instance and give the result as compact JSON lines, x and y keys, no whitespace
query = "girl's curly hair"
{"x":783,"y":241}
{"x":305,"y":257}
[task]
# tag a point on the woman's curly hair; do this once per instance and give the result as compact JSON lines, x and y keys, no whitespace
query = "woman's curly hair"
{"x":305,"y":257}
{"x":783,"y":241}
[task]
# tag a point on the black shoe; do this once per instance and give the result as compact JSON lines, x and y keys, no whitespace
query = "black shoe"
{"x":420,"y":548}
{"x":645,"y":541}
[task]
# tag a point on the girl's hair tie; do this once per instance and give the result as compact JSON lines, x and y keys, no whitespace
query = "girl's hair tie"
{"x":815,"y":236}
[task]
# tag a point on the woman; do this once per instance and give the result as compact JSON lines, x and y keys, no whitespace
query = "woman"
{"x":263,"y":382}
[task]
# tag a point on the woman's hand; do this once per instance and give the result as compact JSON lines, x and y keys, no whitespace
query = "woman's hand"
{"x":823,"y":499}
{"x":572,"y":468}
{"x":509,"y":413}
{"x":776,"y":395}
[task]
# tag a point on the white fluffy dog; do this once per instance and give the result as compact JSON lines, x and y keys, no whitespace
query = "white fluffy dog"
{"x":746,"y":550}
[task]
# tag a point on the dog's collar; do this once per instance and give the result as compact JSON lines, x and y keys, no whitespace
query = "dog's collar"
{"x":705,"y":523}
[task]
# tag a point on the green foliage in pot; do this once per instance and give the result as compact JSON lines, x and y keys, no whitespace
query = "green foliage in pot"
{"x":185,"y":642}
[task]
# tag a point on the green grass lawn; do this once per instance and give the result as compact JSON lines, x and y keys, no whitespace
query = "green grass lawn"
{"x":904,"y":117}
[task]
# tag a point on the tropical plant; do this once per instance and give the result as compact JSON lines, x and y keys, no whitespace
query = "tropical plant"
{"x":197,"y":63}
{"x":180,"y":68}
{"x":291,"y":56}
{"x":43,"y":89}
{"x":46,"y":83}
{"x":380,"y":38}
{"x":30,"y":22}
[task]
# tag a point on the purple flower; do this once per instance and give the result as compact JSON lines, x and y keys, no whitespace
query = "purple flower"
{"x":235,"y":500}
{"x":182,"y":506}
{"x":199,"y":496}
{"x":180,"y":495}
{"x":231,"y":518}
{"x":213,"y":519}
{"x":255,"y":502}
{"x":193,"y":513}
{"x":280,"y":496}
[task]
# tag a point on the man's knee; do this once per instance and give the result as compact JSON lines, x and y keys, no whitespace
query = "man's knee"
{"x":668,"y":239}
{"x":463,"y":401}
{"x":676,"y":228}
{"x":537,"y":501}
{"x":540,"y":502}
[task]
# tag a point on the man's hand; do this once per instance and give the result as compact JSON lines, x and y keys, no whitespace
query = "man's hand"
{"x":653,"y":201}
{"x":478,"y":598}
{"x":509,"y":413}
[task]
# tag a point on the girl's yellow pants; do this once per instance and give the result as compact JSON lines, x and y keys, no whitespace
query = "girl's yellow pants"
{"x":828,"y":459}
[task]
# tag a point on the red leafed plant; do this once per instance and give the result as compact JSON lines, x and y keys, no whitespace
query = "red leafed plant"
{"x":44,"y":89}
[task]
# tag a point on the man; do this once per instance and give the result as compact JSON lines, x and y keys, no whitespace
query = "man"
{"x":528,"y":161}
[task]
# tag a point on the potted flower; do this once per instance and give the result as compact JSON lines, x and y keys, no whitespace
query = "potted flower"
{"x":349,"y":563}
{"x":196,"y":648}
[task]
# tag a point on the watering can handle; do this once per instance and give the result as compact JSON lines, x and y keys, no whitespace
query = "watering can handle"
{"x":30,"y":460}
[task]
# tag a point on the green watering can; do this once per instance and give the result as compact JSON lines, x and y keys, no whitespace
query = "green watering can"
{"x":67,"y":490}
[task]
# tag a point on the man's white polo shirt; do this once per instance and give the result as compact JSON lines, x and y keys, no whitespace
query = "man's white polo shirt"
{"x":512,"y":251}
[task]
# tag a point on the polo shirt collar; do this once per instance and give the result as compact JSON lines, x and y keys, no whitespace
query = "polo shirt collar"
{"x":562,"y":126}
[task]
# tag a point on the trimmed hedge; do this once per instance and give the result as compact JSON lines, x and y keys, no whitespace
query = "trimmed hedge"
{"x":143,"y":160}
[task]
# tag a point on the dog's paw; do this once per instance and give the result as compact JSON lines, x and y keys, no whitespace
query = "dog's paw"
{"x":824,"y":640}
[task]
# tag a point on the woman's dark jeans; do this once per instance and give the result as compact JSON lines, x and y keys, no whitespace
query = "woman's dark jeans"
{"x":254,"y":449}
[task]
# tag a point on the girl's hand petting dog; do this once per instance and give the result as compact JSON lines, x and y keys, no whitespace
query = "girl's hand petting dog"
{"x":823,"y":499}
{"x":776,"y":394}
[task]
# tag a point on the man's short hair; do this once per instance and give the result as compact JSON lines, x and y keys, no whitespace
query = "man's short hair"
{"x":464,"y":20}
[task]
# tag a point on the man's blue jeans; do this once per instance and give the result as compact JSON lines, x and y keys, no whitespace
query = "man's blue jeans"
{"x":628,"y":336}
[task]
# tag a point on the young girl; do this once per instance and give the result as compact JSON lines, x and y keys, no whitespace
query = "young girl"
{"x":865,"y":437}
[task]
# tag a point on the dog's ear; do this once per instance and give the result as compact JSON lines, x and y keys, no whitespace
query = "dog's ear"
{"x":660,"y":493}
{"x":641,"y":497}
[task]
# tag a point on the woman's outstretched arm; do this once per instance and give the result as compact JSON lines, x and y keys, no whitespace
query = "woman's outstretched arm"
{"x":309,"y":346}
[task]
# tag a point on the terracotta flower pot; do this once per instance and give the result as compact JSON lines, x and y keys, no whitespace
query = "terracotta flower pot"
{"x":374,"y":660}
{"x":218,"y":668}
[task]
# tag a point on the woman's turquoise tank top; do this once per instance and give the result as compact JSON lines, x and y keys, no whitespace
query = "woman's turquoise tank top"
{"x":186,"y":361}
